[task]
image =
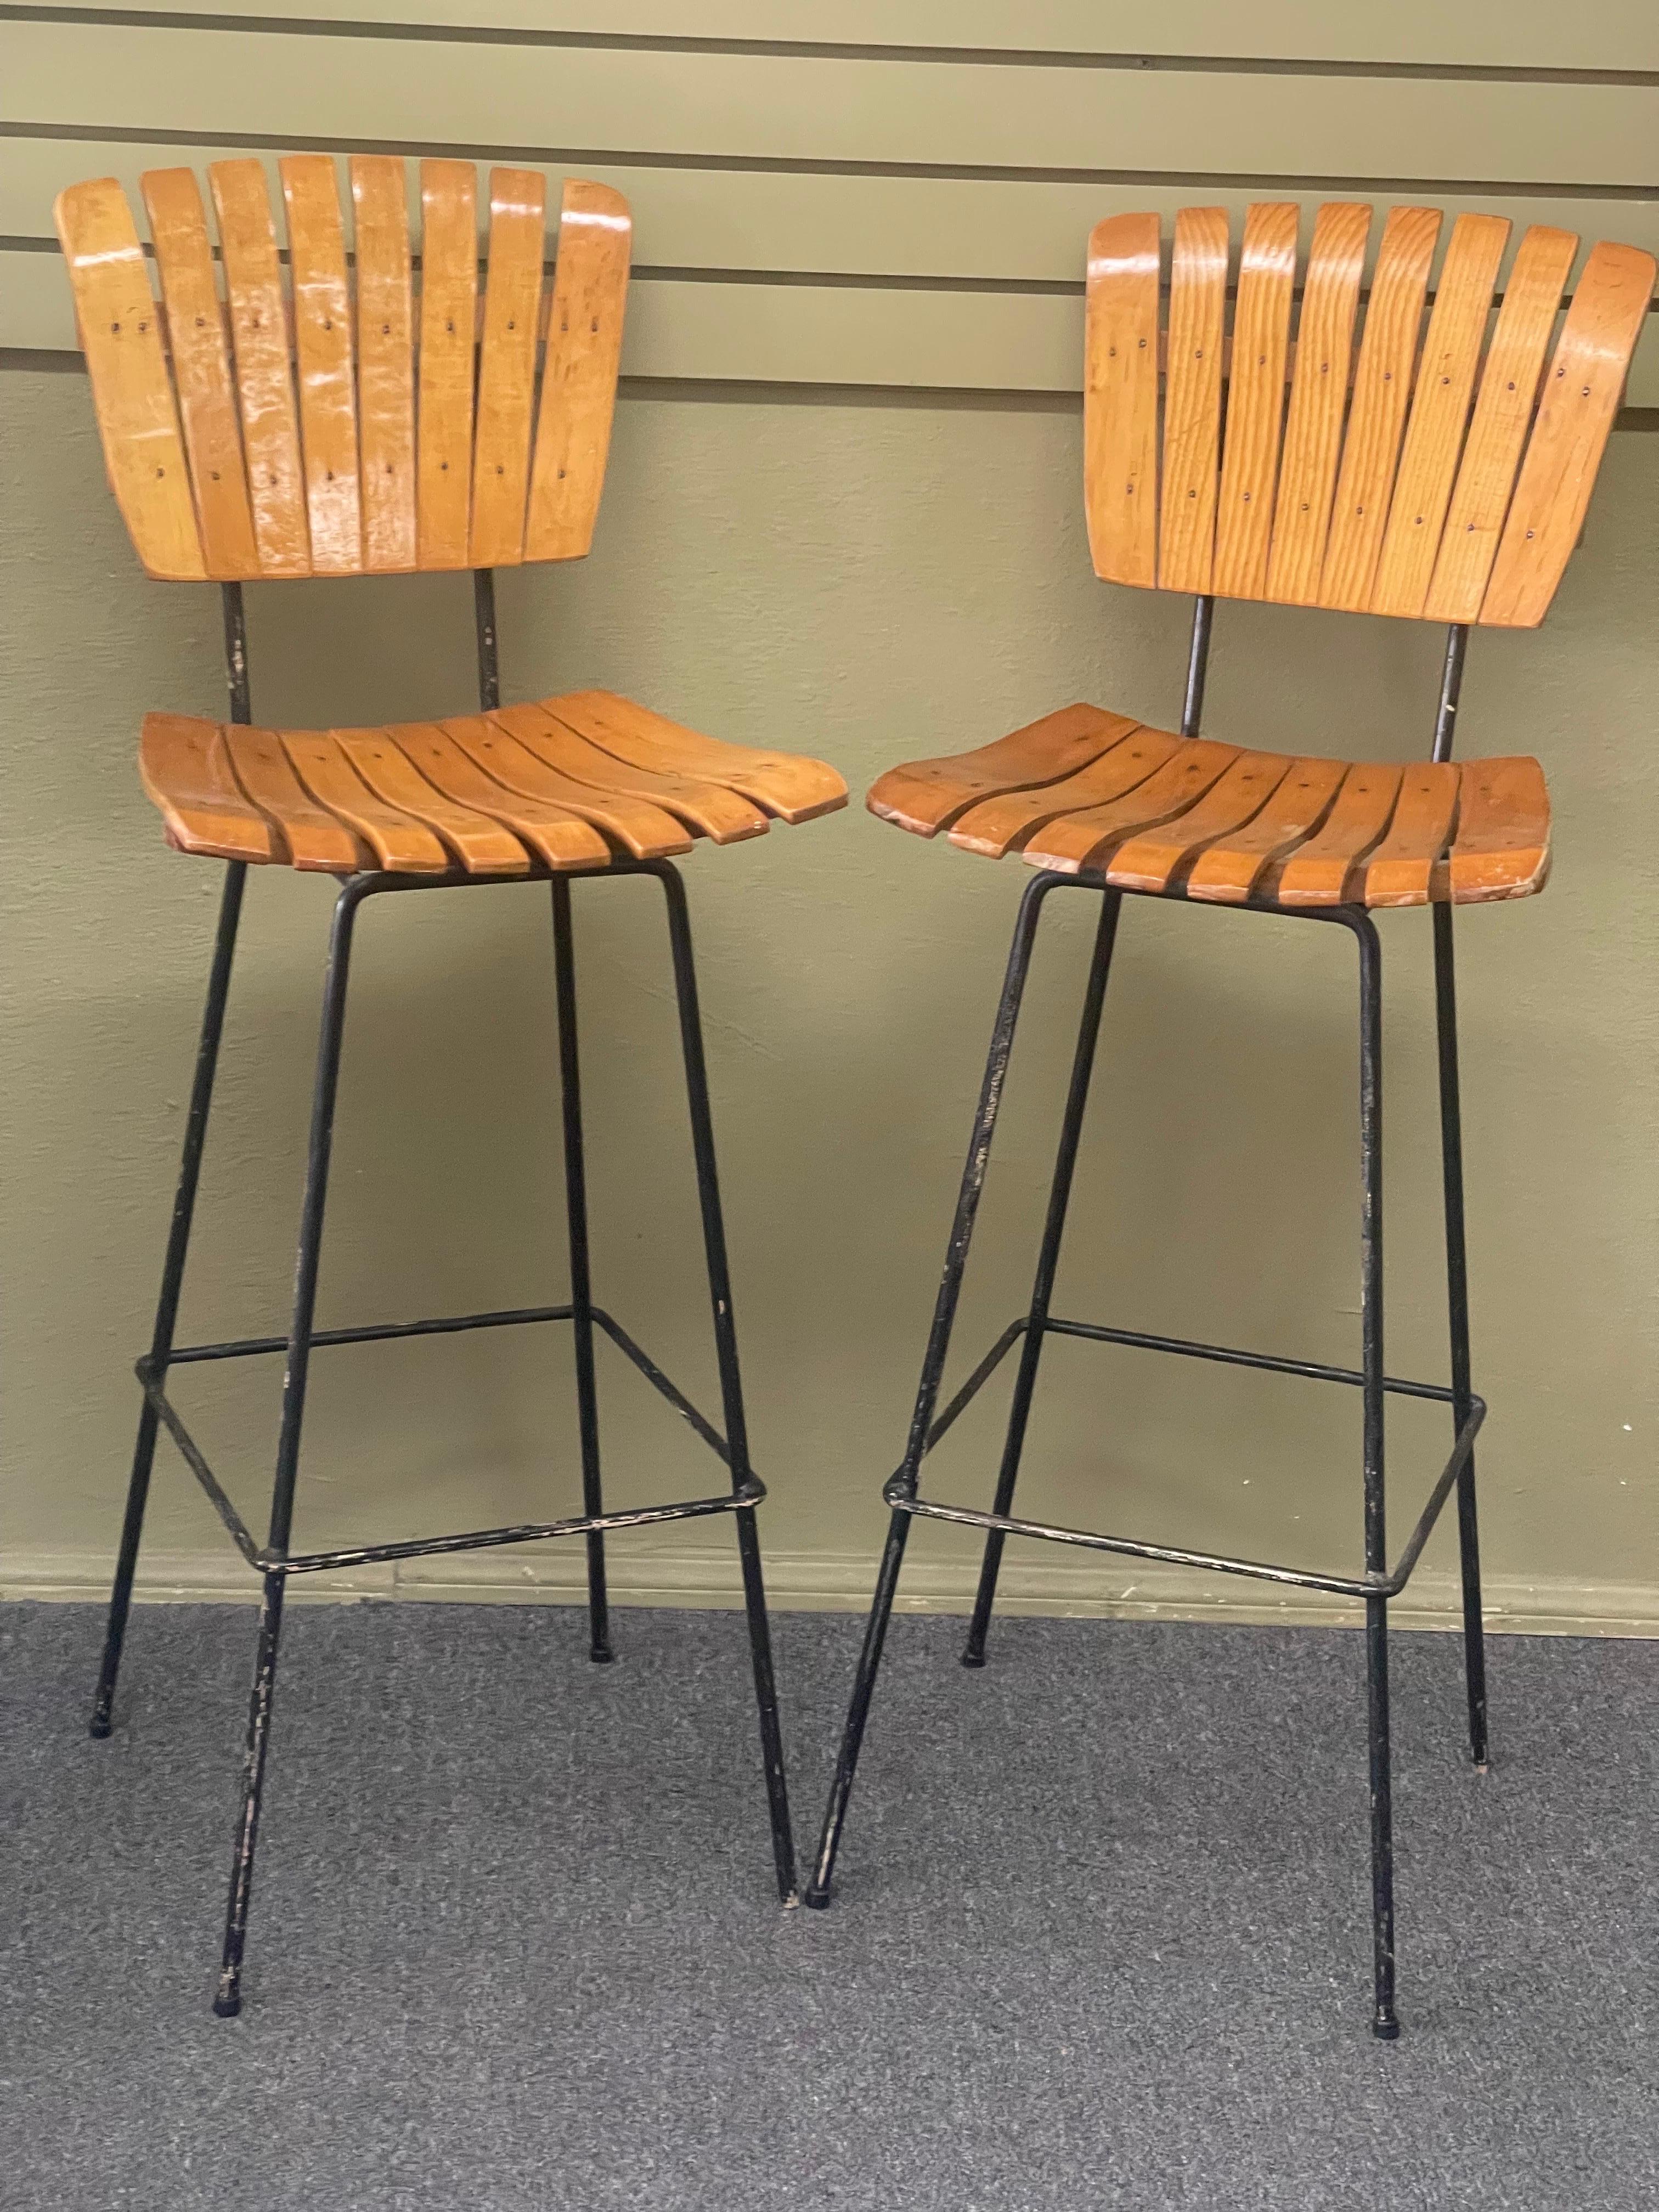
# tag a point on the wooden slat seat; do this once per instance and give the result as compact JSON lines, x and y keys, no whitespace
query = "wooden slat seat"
{"x":557,"y":785}
{"x":1151,"y":812}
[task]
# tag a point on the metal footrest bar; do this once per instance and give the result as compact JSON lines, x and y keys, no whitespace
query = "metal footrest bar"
{"x":744,"y":1497}
{"x":899,"y":1496}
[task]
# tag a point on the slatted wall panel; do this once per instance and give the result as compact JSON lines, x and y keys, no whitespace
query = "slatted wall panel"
{"x":860,"y":192}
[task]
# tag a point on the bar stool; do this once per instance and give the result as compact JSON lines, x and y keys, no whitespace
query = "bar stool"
{"x":219,"y":475}
{"x":1439,"y":503}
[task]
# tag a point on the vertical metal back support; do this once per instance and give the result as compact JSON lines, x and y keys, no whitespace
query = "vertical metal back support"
{"x":1457,"y":1269}
{"x":483,"y":616}
{"x":1197,"y":665}
{"x":184,"y":1202}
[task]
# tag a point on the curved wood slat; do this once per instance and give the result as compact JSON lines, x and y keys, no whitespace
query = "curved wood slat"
{"x":1084,"y":840}
{"x":201,"y":370}
{"x":322,"y":356}
{"x":1502,"y":849}
{"x":788,"y":785}
{"x":397,"y":840}
{"x":131,"y":392}
{"x":1381,"y":385}
{"x":707,"y":808}
{"x":1575,"y":415}
{"x":1120,"y":399}
{"x":579,"y":376}
{"x":449,"y":296}
{"x":1230,"y":869}
{"x":1151,"y":860}
{"x":643,"y":829}
{"x":477,"y":843}
{"x":1440,"y":413}
{"x":560,"y":839}
{"x":1497,"y":430}
{"x":1192,"y":402}
{"x":312,"y":837}
{"x":385,"y":361}
{"x":998,"y":825}
{"x":1319,"y":401}
{"x":926,"y":796}
{"x":264,"y":385}
{"x":507,"y":367}
{"x":1401,"y":871}
{"x":1319,"y":872}
{"x":1256,"y":400}
{"x":183,"y":768}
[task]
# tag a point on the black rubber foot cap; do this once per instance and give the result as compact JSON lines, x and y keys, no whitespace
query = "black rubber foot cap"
{"x":973,"y":1658}
{"x":817,"y":1898}
{"x":1386,"y":2031}
{"x":601,"y":1654}
{"x":226,"y":2007}
{"x":100,"y":1726}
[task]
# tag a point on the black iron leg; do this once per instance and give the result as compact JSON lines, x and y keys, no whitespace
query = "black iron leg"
{"x":933,"y":1370}
{"x":172,"y":1273}
{"x":1383,"y":2022}
{"x":1457,"y":1299}
{"x":581,"y":1293}
{"x":726,"y":1352}
{"x":229,"y":2000}
{"x":1071,"y":1132}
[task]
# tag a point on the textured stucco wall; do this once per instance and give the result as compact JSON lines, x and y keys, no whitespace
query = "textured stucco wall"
{"x":866,"y":581}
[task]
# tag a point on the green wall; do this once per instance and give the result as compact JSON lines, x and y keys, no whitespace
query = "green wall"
{"x":868,"y":577}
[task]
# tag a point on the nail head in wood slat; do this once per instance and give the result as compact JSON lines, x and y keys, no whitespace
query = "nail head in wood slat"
{"x":323,"y":355}
{"x":789,"y":785}
{"x":477,"y":842}
{"x":449,"y":298}
{"x":1229,"y":869}
{"x":312,"y":837}
{"x":385,"y":361}
{"x":1120,"y":399}
{"x":996,"y":826}
{"x":1381,"y":384}
{"x":265,"y":380}
{"x":507,"y":367}
{"x":925,"y":796}
{"x":1087,"y":839}
{"x":1440,"y":413}
{"x":1256,"y":400}
{"x":1192,"y":402}
{"x":131,"y":390}
{"x":1497,"y":430}
{"x":1319,"y":401}
{"x":560,"y":839}
{"x":1401,"y":869}
{"x":1320,"y":871}
{"x":579,"y":373}
{"x":201,"y":370}
{"x":1580,"y":398}
{"x":1502,"y":847}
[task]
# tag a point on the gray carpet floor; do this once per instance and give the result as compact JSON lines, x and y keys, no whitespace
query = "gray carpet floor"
{"x":1101,"y":1937}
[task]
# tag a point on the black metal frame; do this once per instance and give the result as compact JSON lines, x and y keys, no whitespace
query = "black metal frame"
{"x":273,"y":1560}
{"x":1378,"y":1584}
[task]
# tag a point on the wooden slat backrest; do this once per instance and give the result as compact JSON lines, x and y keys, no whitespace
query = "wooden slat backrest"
{"x":1437,"y":484}
{"x":325,"y":422}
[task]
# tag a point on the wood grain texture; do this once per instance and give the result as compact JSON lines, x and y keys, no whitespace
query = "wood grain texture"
{"x":925,"y":796}
{"x":1229,"y":869}
{"x":708,"y":809}
{"x":1192,"y":401}
{"x":449,"y":297}
{"x":558,"y":838}
{"x":1319,"y":401}
{"x":201,"y":371}
{"x":310,"y":837}
{"x":1440,"y":413}
{"x":1498,"y":428}
{"x":1320,"y":872}
{"x":475,"y":841}
{"x":1502,"y":847}
{"x":636,"y":825}
{"x":1088,"y":838}
{"x":1001,"y":826}
{"x":397,"y":840}
{"x":131,"y":392}
{"x":507,"y":367}
{"x":1381,"y":387}
{"x":186,"y":772}
{"x":264,"y":382}
{"x":1153,"y":859}
{"x":578,"y":375}
{"x":788,"y":785}
{"x":1120,"y":399}
{"x":1402,"y":866}
{"x":1256,"y":400}
{"x":386,"y":362}
{"x":323,"y":359}
{"x":1575,"y":415}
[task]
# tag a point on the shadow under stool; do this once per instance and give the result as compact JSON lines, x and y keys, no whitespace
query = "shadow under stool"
{"x":275,"y":433}
{"x":1390,"y":484}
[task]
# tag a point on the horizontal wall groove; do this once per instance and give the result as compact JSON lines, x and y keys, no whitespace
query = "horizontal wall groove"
{"x":1412,"y":190}
{"x":828,"y":50}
